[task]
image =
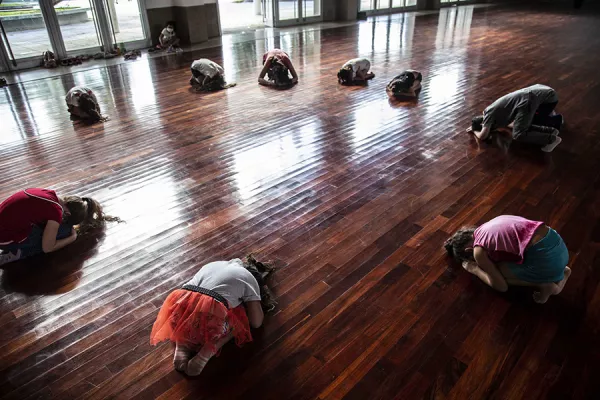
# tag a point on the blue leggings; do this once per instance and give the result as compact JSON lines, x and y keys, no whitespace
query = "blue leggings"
{"x":33,"y":244}
{"x":544,"y":262}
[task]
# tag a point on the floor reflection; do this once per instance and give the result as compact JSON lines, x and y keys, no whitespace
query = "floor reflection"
{"x":391,"y":33}
{"x":454,"y":27}
{"x":450,"y":61}
{"x":257,"y":169}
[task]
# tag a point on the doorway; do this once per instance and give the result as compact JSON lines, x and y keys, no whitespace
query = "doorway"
{"x":68,"y":28}
{"x":374,"y":7}
{"x":241,"y":15}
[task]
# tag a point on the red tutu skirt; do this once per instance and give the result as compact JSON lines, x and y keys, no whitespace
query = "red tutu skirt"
{"x":196,"y":320}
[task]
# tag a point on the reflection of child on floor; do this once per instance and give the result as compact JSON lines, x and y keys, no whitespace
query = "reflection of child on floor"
{"x":355,"y":71}
{"x":35,"y":221}
{"x":82,"y":103}
{"x":407,"y":84}
{"x":276,"y":65}
{"x":207,"y":75}
{"x":510,"y":250}
{"x":168,"y":38}
{"x":222,"y":301}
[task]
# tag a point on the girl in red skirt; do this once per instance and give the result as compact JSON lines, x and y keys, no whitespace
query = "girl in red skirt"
{"x":221,"y":302}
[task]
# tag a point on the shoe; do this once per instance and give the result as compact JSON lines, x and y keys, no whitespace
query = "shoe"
{"x":549,"y":147}
{"x":8,"y":257}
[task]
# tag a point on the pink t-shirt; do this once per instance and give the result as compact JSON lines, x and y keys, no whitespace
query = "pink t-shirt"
{"x":506,"y":237}
{"x":281,"y":55}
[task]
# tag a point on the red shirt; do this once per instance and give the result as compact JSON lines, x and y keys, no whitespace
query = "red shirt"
{"x":24,"y":209}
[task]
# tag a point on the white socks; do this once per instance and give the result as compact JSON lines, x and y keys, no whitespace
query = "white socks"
{"x":181,"y":358}
{"x":8,"y":257}
{"x":197,"y":364}
{"x":549,"y":147}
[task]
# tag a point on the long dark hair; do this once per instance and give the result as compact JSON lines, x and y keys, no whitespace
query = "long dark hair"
{"x":345,"y":75}
{"x":402,"y":83}
{"x":86,"y":218}
{"x":279,"y":73}
{"x":460,"y":245}
{"x":90,"y":107}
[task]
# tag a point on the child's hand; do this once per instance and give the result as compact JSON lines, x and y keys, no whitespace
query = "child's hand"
{"x":469,"y":130}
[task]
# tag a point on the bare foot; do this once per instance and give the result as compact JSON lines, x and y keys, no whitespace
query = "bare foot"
{"x":540,"y":298}
{"x":561,"y":284}
{"x":546,"y":290}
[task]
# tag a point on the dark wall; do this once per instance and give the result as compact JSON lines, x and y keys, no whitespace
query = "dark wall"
{"x":212,"y":19}
{"x":194,"y":24}
{"x":157,"y":19}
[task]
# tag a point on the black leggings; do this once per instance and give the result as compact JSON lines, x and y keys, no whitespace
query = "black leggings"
{"x":543,"y":118}
{"x":215,"y":83}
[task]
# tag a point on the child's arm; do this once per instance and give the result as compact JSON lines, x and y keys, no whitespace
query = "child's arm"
{"x":255,"y":313}
{"x":293,"y":72}
{"x":49,"y":242}
{"x":263,"y":72}
{"x":486,"y":270}
{"x":482,"y":135}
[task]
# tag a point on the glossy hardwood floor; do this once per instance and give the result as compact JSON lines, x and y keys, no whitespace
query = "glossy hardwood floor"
{"x":349,"y":193}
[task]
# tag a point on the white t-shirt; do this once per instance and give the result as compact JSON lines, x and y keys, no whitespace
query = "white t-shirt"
{"x":230,"y":279}
{"x":168,"y":35}
{"x":207,"y":67}
{"x":358,"y":64}
{"x":72,"y":97}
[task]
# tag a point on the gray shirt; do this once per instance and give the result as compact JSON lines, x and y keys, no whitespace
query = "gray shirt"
{"x":518,"y":107}
{"x":230,"y":279}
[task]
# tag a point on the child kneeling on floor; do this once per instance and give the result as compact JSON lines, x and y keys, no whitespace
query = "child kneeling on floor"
{"x":511,"y":250}
{"x":277,"y":66}
{"x":355,"y":71}
{"x":82,"y":103}
{"x":208,"y":76}
{"x":221,"y":302}
{"x":407,"y":84}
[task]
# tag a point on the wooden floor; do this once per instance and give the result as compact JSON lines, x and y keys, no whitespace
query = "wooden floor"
{"x":349,"y":193}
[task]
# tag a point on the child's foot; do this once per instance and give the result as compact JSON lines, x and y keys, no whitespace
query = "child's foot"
{"x":549,"y":147}
{"x":541,"y":297}
{"x":197,"y":364}
{"x":8,"y":257}
{"x":561,"y":284}
{"x":181,"y":358}
{"x":546,"y":290}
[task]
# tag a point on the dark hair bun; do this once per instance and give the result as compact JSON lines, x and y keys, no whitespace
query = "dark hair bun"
{"x":449,"y":247}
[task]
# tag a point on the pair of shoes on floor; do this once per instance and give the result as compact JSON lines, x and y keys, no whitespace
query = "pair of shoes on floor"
{"x":7,"y":257}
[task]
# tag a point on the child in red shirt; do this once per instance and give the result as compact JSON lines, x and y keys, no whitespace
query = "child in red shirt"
{"x":35,"y":221}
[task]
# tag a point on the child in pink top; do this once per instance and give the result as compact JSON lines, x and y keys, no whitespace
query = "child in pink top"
{"x":511,"y":250}
{"x":277,"y":66}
